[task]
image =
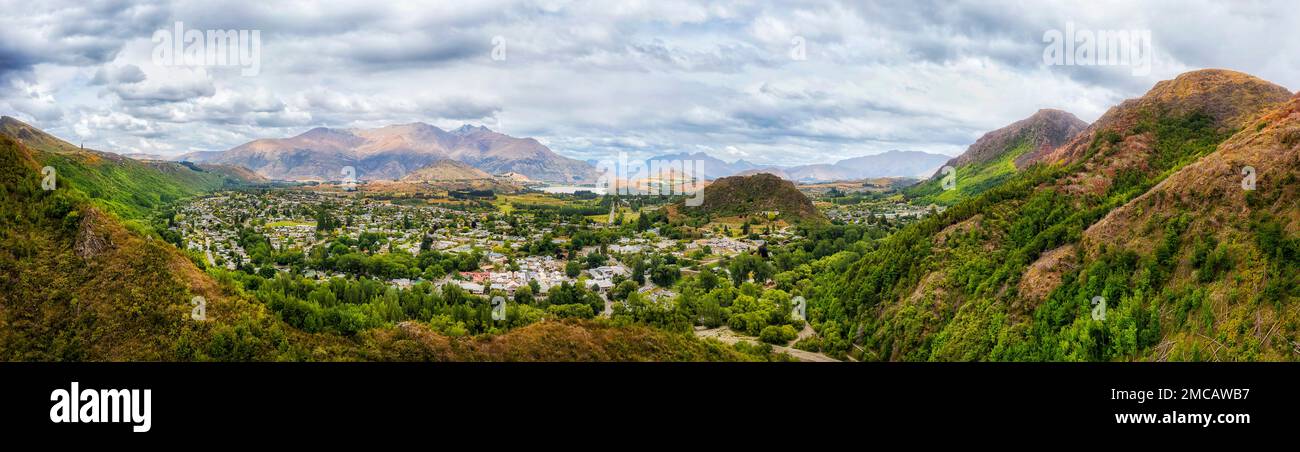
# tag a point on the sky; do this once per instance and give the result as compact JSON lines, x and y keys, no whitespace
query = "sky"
{"x":779,"y":82}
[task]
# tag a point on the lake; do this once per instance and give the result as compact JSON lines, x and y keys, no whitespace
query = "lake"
{"x":570,"y":189}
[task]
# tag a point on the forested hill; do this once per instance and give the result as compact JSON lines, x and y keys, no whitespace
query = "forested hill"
{"x":1145,"y":212}
{"x":753,"y":195}
{"x":79,"y":286}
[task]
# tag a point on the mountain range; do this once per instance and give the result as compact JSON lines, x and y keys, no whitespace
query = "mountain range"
{"x":886,"y":164}
{"x":446,"y":170}
{"x":394,"y":151}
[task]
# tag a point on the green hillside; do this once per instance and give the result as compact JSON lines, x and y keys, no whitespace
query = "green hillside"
{"x":1146,"y":213}
{"x":975,"y":178}
{"x":126,"y":187}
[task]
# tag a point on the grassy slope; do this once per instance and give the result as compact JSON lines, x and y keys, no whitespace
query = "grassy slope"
{"x":567,"y":340}
{"x":126,"y":187}
{"x":970,"y":179}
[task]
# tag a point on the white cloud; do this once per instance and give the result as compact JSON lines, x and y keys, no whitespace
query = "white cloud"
{"x":594,"y":77}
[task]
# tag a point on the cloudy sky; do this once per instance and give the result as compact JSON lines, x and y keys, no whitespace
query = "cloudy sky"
{"x":781,"y":82}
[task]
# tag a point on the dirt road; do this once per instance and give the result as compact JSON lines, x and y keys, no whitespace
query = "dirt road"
{"x":727,"y":336}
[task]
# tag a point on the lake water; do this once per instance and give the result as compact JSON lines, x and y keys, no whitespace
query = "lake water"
{"x":570,"y":189}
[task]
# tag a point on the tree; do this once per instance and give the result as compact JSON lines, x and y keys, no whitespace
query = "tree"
{"x":325,"y":221}
{"x":596,"y":260}
{"x":664,"y":275}
{"x":572,"y":269}
{"x":266,"y":272}
{"x":524,"y":295}
{"x":746,"y":265}
{"x":773,"y":334}
{"x":710,"y":312}
{"x":622,"y":290}
{"x":639,"y":270}
{"x":568,"y":311}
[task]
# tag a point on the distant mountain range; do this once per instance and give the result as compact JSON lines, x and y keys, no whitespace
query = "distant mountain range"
{"x":394,"y":151}
{"x":886,"y":164}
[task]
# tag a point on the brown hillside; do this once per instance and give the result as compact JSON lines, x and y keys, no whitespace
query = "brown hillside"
{"x":751,"y":195}
{"x":1231,"y":98}
{"x":445,"y":170}
{"x":1046,"y":130}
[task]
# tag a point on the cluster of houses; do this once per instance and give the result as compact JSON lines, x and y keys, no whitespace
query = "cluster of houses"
{"x":726,"y":245}
{"x":204,"y":232}
{"x":865,"y":213}
{"x":288,"y":219}
{"x":547,"y":271}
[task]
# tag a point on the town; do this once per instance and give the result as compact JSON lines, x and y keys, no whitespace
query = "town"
{"x":493,"y":250}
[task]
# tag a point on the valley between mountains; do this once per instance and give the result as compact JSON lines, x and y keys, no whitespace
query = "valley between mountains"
{"x":1166,"y":230}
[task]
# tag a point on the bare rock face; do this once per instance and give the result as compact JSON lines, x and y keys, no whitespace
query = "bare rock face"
{"x":92,"y":241}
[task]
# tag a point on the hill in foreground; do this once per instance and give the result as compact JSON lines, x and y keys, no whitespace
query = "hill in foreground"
{"x":1144,"y":212}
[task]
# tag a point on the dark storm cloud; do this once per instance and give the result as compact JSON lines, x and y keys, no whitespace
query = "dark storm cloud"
{"x":69,"y":33}
{"x":416,"y":49}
